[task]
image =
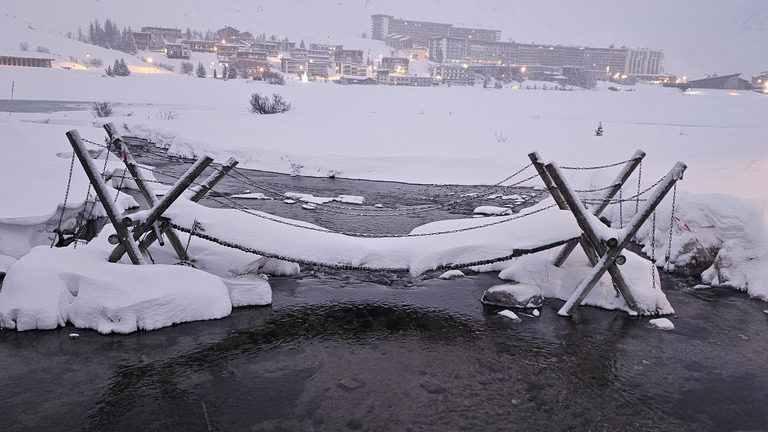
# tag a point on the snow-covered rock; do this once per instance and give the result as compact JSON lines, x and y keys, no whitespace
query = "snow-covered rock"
{"x":509,"y":314}
{"x":452,"y":274}
{"x":517,"y":295}
{"x":662,"y":324}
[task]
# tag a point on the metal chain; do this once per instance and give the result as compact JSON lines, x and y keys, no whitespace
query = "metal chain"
{"x":193,"y":232}
{"x":639,"y":180}
{"x":621,"y":209}
{"x":671,"y":227}
{"x":653,"y":249}
{"x":597,"y":167}
{"x":66,"y":198}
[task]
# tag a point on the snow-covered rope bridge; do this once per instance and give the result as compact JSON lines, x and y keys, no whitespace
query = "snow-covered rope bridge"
{"x":444,"y":244}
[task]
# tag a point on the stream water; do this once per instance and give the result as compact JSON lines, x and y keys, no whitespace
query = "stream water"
{"x":341,"y":350}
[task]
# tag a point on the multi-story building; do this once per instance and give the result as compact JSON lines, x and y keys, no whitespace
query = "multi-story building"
{"x":644,"y":62}
{"x":395,"y":65}
{"x":410,"y":80}
{"x":178,"y":51}
{"x":348,"y":56}
{"x":420,"y":31}
{"x":200,"y":45}
{"x":604,"y":62}
{"x":398,"y":41}
{"x":453,"y":74}
{"x":168,"y":34}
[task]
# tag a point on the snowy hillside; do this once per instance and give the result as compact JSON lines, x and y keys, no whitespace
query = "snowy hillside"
{"x":716,"y":37}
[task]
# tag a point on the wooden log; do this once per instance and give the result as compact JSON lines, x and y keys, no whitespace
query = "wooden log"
{"x":156,"y":211}
{"x":214,"y":179}
{"x":538,"y":163}
{"x":127,"y":243}
{"x":146,"y":189}
{"x":669,"y":180}
{"x":617,"y":184}
{"x":206,"y":186}
{"x":588,"y":230}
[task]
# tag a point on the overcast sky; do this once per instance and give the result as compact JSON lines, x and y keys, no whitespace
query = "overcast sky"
{"x":698,"y":36}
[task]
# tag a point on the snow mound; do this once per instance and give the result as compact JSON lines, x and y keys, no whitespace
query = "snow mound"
{"x":50,"y":287}
{"x":493,"y":211}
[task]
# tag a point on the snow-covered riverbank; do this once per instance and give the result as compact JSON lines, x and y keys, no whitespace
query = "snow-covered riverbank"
{"x":424,"y":135}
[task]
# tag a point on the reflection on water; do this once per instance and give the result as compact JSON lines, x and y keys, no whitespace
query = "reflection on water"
{"x":381,"y":351}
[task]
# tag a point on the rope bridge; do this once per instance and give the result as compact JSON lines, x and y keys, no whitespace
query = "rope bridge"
{"x":439,"y":245}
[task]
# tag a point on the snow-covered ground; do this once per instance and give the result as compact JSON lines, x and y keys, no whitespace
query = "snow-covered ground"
{"x":423,"y":135}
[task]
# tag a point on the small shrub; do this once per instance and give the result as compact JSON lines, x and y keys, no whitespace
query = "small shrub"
{"x":42,"y":49}
{"x":264,"y":105}
{"x":102,"y":109}
{"x":23,"y":46}
{"x":166,"y":114}
{"x":96,"y":62}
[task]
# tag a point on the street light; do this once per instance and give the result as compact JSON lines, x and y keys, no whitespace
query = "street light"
{"x":211,"y":68}
{"x":149,"y":60}
{"x":87,"y":61}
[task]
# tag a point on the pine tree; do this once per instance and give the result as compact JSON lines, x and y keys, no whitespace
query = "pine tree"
{"x":200,"y":70}
{"x":214,"y":74}
{"x":109,"y":72}
{"x":224,"y":72}
{"x":124,"y":66}
{"x":599,"y":130}
{"x":232,"y":72}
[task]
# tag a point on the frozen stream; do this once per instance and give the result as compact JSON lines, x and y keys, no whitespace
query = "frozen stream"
{"x":374,"y":351}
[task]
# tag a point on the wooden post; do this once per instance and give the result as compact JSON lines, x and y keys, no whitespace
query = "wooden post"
{"x":157,"y":210}
{"x":675,"y":174}
{"x":617,"y":184}
{"x":143,"y":184}
{"x":127,"y":242}
{"x":538,"y":163}
{"x":206,"y":186}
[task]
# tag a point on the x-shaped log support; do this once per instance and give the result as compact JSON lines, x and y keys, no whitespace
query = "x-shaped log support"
{"x":609,"y":249}
{"x":163,"y":204}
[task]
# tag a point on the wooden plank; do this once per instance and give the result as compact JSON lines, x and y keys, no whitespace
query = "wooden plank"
{"x":127,"y":242}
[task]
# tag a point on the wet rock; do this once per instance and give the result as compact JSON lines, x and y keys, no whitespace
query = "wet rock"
{"x":521,"y":296}
{"x":349,"y":384}
{"x":432,"y":387}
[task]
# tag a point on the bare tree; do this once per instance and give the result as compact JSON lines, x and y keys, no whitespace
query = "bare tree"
{"x":264,"y":105}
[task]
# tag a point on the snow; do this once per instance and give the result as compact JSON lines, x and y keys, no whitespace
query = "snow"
{"x":509,"y":314}
{"x":51,"y":286}
{"x":492,"y":211}
{"x":662,"y":324}
{"x":422,"y":135}
{"x":452,"y":274}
